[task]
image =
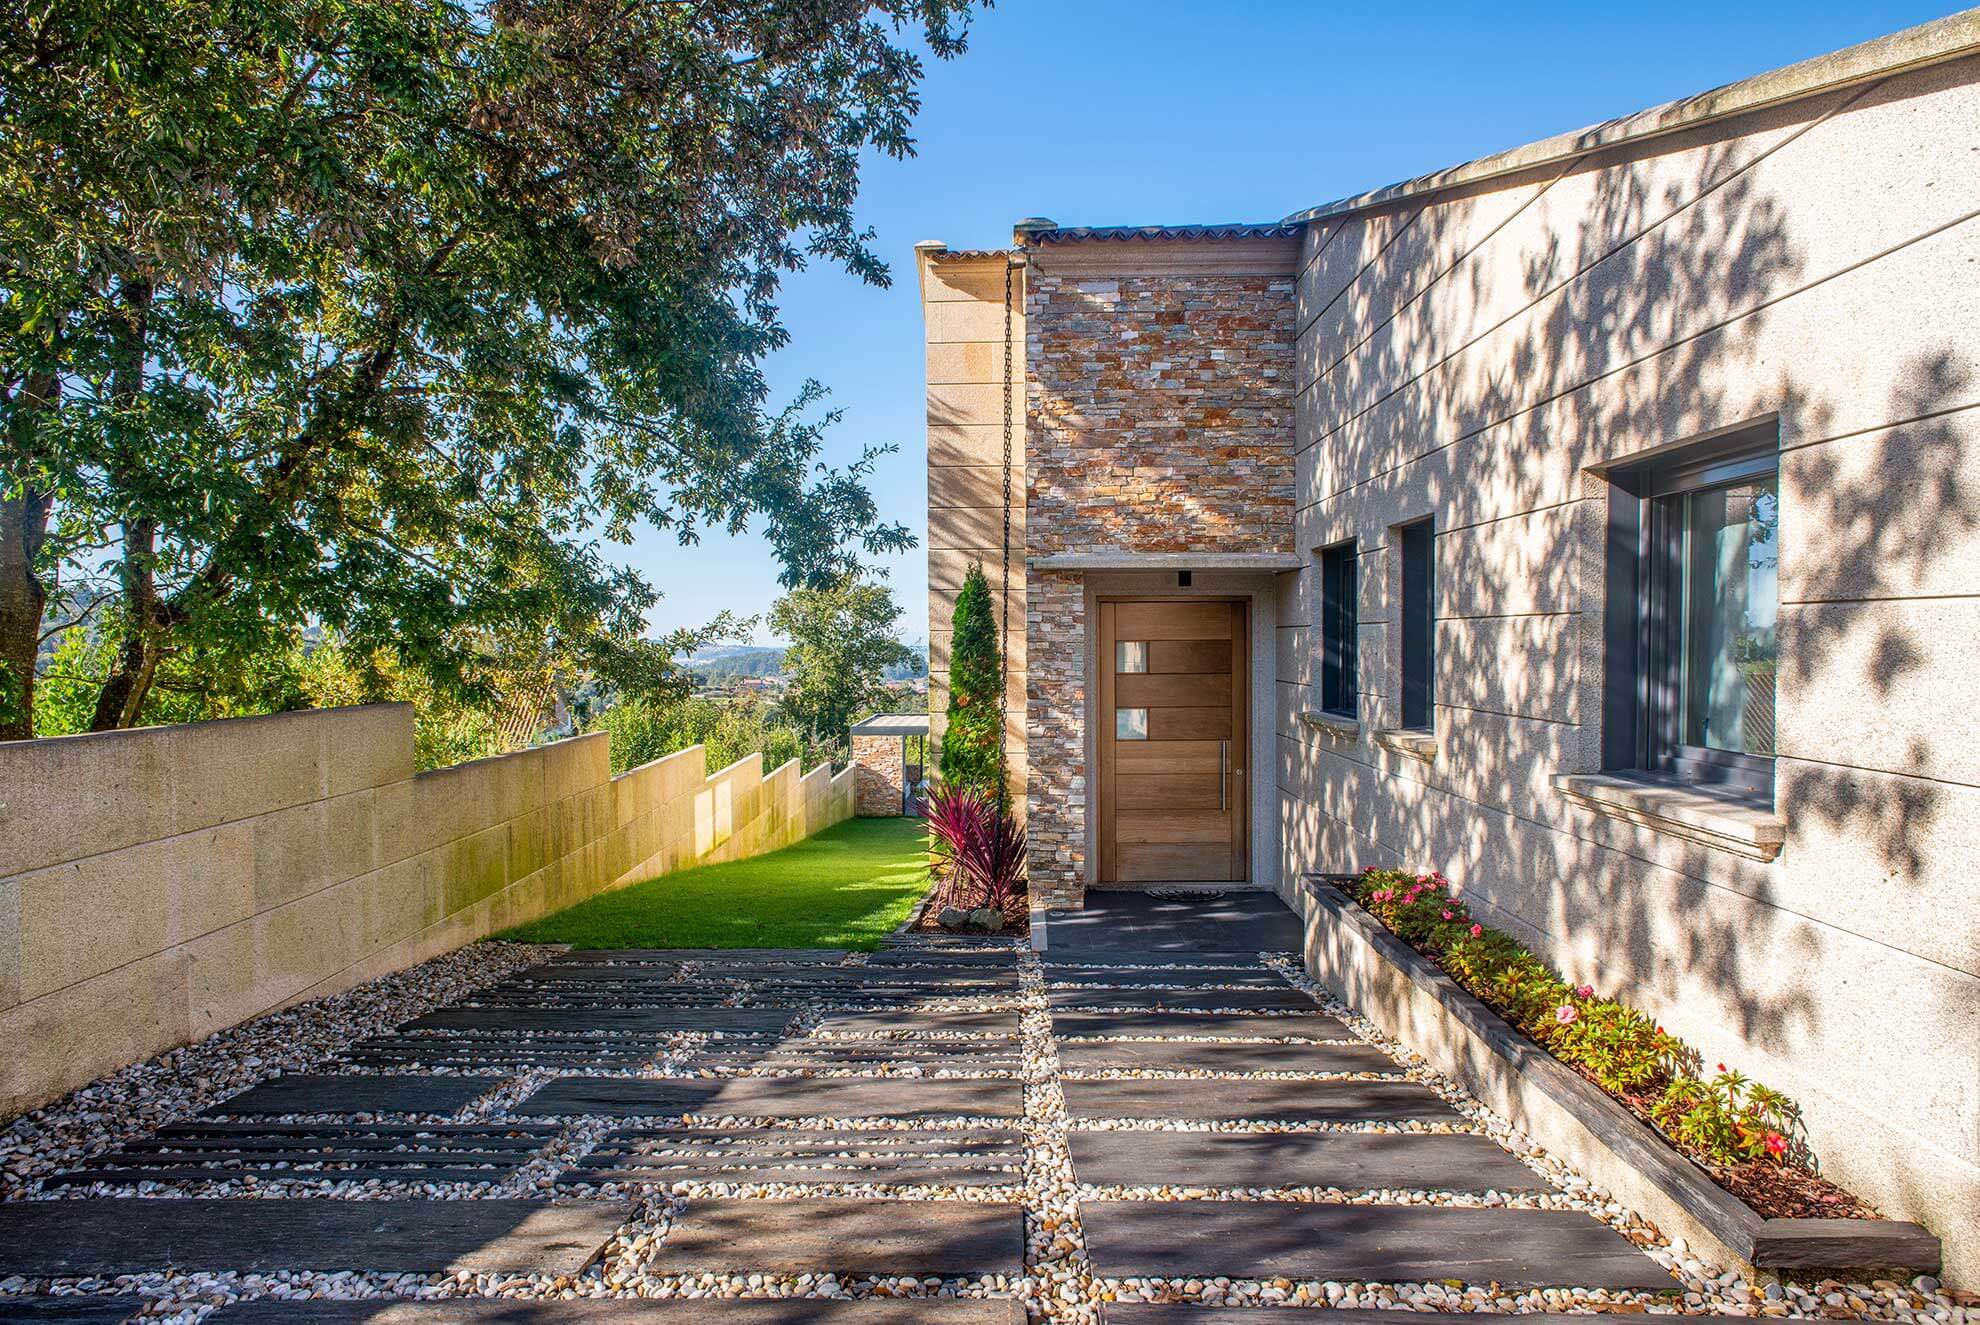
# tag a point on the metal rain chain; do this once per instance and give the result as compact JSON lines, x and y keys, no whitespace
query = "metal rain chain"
{"x":1004,"y":585}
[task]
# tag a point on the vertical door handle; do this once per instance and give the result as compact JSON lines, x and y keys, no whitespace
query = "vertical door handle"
{"x":1223,"y":777}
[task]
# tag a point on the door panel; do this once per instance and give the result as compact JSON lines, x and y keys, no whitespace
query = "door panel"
{"x":1169,"y":791}
{"x":1175,"y":689}
{"x":1189,"y":724}
{"x":1189,"y":655}
{"x":1172,"y":740}
{"x":1164,"y":756}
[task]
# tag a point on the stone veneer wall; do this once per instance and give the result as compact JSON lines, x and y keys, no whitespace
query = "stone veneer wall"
{"x":1159,"y":403}
{"x":963,"y":309}
{"x":1478,"y":358}
{"x":880,"y":776}
{"x":162,"y":884}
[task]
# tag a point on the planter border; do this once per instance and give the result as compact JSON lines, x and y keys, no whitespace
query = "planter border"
{"x":1366,"y":965}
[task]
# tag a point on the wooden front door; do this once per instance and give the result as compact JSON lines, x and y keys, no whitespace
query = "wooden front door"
{"x":1173,"y":804}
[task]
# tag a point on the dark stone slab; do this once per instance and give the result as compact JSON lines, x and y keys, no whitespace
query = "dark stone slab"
{"x":782,"y":1097}
{"x":1142,"y":977}
{"x":317,"y":1093}
{"x":846,"y":1235}
{"x":1053,"y":959}
{"x":619,"y":1097}
{"x":1259,"y":1239}
{"x":1350,"y":1160}
{"x":927,"y":1056}
{"x":1183,"y":1000}
{"x":507,"y":1053}
{"x":220,"y":1152}
{"x":135,"y":1235}
{"x":1184,"y":1313}
{"x":772,"y":956}
{"x":898,"y":957}
{"x":913,"y":1023}
{"x":631,"y":1311}
{"x":1238,"y":922}
{"x":728,"y":1021}
{"x":1263,"y":1099}
{"x":70,"y":1309}
{"x":974,"y":1158}
{"x":1202,"y":1025}
{"x":1221,"y":1056}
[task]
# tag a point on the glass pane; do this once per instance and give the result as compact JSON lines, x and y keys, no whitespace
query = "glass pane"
{"x":1732,"y":556}
{"x":1130,"y":724}
{"x":1130,"y":656}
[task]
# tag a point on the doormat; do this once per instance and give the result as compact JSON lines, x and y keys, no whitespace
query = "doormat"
{"x":1188,"y":894}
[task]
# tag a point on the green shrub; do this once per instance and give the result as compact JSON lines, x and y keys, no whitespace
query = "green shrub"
{"x":642,"y":730}
{"x":970,"y":749}
{"x":1723,"y":1120}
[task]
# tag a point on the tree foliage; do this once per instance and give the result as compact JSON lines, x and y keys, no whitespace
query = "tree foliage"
{"x":376,"y":316}
{"x":644,"y":729}
{"x":971,"y":753}
{"x":842,"y":641}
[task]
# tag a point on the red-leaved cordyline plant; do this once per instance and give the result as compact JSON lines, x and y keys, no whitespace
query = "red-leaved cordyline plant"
{"x":979,"y":849}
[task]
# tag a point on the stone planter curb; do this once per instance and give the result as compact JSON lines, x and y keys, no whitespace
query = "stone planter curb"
{"x":1369,"y":968}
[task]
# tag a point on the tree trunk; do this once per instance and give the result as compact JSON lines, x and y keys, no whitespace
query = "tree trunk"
{"x":122,"y":696}
{"x":23,"y":529}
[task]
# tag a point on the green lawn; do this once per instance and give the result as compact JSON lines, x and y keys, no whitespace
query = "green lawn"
{"x":847,"y":887}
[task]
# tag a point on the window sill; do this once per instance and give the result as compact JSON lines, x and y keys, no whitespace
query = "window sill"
{"x":1334,"y":724}
{"x":1696,"y":814}
{"x":1416,"y":742}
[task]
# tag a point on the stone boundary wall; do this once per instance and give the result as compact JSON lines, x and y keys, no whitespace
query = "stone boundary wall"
{"x":162,"y":884}
{"x":880,"y":791}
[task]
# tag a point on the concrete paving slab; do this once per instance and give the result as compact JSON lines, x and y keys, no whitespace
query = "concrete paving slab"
{"x":1353,"y":1161}
{"x":1182,"y":1000}
{"x":974,"y":1158}
{"x":846,"y":1235}
{"x":626,"y":1311}
{"x":1260,"y":1099}
{"x":1390,"y":1244}
{"x":1201,"y":1026}
{"x":313,"y":1092}
{"x":1220,"y":1056}
{"x":782,"y":1097}
{"x":728,"y":1021}
{"x":138,"y":1235}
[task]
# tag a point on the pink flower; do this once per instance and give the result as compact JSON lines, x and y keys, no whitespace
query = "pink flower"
{"x":1477,"y":931}
{"x":1586,"y":991}
{"x":1776,"y":1144}
{"x":1565,"y":1014}
{"x":1449,"y":916}
{"x":1722,"y":1067}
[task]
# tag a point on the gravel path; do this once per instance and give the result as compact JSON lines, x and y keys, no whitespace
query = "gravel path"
{"x":843,"y":1025}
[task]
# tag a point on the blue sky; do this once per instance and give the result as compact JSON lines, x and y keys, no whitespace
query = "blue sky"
{"x":1100,"y":112}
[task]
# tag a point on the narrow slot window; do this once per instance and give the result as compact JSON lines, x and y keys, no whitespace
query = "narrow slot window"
{"x":1419,"y":625}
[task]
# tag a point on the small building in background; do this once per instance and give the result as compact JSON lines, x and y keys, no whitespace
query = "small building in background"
{"x":890,"y":752}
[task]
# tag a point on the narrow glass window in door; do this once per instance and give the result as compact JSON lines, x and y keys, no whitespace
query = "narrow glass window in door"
{"x":1731,"y":560}
{"x":1130,"y":656}
{"x":1130,"y":724}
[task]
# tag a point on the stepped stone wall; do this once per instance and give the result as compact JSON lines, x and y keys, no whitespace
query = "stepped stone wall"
{"x":162,"y":884}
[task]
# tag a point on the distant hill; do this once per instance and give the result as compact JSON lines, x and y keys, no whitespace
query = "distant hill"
{"x":731,"y":662}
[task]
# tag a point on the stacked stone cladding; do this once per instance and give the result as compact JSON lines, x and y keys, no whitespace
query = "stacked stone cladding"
{"x":1160,"y":413}
{"x":877,"y":786}
{"x":1159,"y":418}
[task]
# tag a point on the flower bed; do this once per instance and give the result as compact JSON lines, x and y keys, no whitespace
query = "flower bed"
{"x":1744,"y":1135}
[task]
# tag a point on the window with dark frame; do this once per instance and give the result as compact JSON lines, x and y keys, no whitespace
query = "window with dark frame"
{"x":1693,"y":570}
{"x":1419,"y":624}
{"x":1339,"y":624}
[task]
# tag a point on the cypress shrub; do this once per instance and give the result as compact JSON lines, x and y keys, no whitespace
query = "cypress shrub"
{"x":976,"y":680}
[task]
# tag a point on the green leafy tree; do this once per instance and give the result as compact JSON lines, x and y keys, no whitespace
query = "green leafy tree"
{"x":643,"y":729}
{"x":842,"y":641}
{"x":971,"y":755}
{"x":380,"y":316}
